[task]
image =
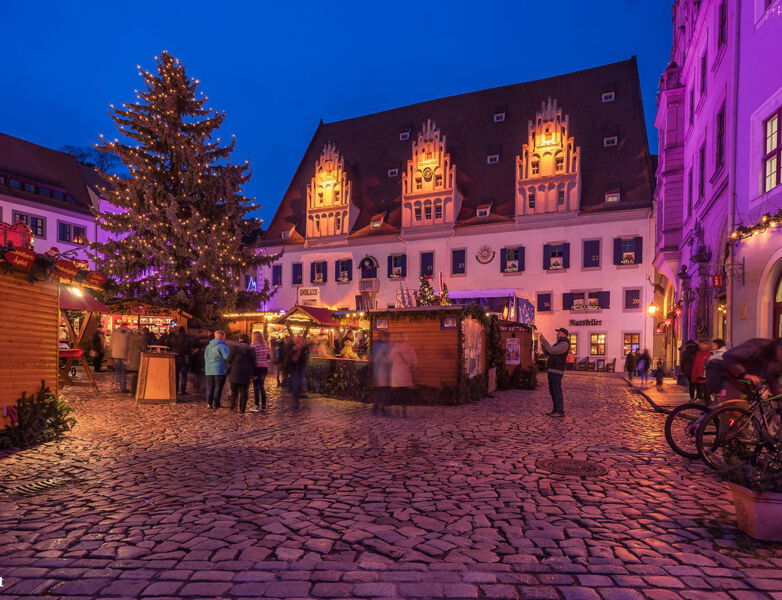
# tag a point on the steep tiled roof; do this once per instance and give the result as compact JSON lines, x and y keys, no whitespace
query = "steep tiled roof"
{"x":371,"y":146}
{"x":43,"y":166}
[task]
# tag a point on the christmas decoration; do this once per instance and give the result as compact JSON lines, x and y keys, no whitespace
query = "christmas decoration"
{"x":444,"y":299}
{"x":177,"y":220}
{"x":766,"y":221}
{"x":426,"y":295}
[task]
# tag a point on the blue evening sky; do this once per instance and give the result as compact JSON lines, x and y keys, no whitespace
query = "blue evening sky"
{"x":276,"y":68}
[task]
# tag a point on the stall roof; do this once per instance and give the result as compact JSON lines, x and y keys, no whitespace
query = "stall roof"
{"x":321,"y":316}
{"x":75,"y":298}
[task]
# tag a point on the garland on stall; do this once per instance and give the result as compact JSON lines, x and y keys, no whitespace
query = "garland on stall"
{"x":767,"y":221}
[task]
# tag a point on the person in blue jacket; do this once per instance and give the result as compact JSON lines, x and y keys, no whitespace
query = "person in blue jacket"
{"x":215,"y":362}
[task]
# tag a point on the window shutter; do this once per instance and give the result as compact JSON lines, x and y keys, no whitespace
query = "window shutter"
{"x":520,"y":250}
{"x":296,"y":273}
{"x":390,"y":266}
{"x":337,"y":265}
{"x":617,"y":251}
{"x":404,"y":265}
{"x":349,"y":268}
{"x":567,"y":301}
{"x":503,"y":260}
{"x":639,"y":250}
{"x":324,"y":267}
{"x":546,"y":257}
{"x":566,"y":256}
{"x":312,"y":273}
{"x":604,"y":299}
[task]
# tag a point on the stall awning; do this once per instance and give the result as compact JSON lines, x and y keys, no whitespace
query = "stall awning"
{"x":323,"y":317}
{"x":76,"y":298}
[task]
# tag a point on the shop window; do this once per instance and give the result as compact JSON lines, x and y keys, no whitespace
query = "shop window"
{"x":277,"y":275}
{"x":458,"y":262}
{"x":297,"y":270}
{"x":632,"y":299}
{"x":573,"y":339}
{"x":631,"y":342}
{"x":597,"y":344}
{"x":512,"y":260}
{"x":591,"y":254}
{"x":628,"y":251}
{"x":544,"y":302}
{"x":772,"y":151}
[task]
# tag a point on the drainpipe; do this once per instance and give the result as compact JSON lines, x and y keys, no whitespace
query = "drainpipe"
{"x":730,"y":254}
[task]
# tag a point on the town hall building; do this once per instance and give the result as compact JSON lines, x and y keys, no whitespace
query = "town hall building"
{"x":539,"y":191}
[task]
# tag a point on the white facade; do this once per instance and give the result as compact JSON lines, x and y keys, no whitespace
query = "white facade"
{"x":531,"y":233}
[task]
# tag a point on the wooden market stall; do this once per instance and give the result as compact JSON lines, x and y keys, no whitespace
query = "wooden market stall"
{"x":263,"y":321}
{"x":519,"y":354}
{"x":138,"y":315}
{"x":76,"y":300}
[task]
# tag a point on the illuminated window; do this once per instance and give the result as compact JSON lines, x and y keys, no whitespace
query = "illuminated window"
{"x":560,"y":163}
{"x":631,"y":342}
{"x":612,"y":197}
{"x":610,"y":141}
{"x":772,"y":151}
{"x":376,"y":222}
{"x":607,"y":97}
{"x":597,"y":344}
{"x":573,"y":339}
{"x":417,"y":213}
{"x":535,"y":167}
{"x":393,"y":172}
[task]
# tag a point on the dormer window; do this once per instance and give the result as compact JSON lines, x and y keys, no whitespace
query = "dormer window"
{"x":404,"y":135}
{"x":612,"y":197}
{"x":499,"y":117}
{"x":376,"y":222}
{"x":610,"y":141}
{"x":483,"y":211}
{"x":285,"y":235}
{"x":393,"y":172}
{"x":608,"y":97}
{"x":492,"y":159}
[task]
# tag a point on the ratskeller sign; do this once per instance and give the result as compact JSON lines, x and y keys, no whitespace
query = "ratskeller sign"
{"x":586,"y":323}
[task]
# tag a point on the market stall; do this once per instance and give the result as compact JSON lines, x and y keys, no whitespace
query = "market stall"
{"x":77,"y":308}
{"x":248,"y":322}
{"x":139,"y":315}
{"x":519,"y":354}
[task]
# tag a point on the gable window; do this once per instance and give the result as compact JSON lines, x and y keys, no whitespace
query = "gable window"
{"x":610,"y":141}
{"x":343,"y":270}
{"x":285,"y":234}
{"x":611,"y":197}
{"x":531,"y":199}
{"x":458,"y":262}
{"x":719,"y":154}
{"x":417,"y":211}
{"x":438,"y":211}
{"x":512,"y":260}
{"x":492,"y":159}
{"x":556,"y":256}
{"x":397,"y":266}
{"x":607,"y":97}
{"x":36,"y":224}
{"x":277,"y":275}
{"x":535,"y":167}
{"x":393,"y":172}
{"x":482,"y":211}
{"x":297,"y":270}
{"x":404,"y":135}
{"x":597,"y":344}
{"x":591,"y":254}
{"x":702,"y":171}
{"x":628,"y":251}
{"x":632,"y":299}
{"x":772,"y":151}
{"x":319,"y":272}
{"x":544,"y":302}
{"x":72,"y":234}
{"x":631,"y":342}
{"x":499,"y":117}
{"x":427,"y":264}
{"x":560,"y":163}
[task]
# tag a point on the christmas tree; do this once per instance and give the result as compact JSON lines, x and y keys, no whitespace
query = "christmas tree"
{"x":444,"y":299}
{"x":177,"y":220}
{"x":426,"y":295}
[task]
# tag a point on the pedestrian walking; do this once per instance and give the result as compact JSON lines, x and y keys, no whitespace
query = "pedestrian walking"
{"x":643,"y":366}
{"x":98,"y":348}
{"x":403,"y":362}
{"x":137,"y":343}
{"x":241,"y":361}
{"x":381,"y":373}
{"x":630,"y":364}
{"x":557,"y":358}
{"x":182,"y":345}
{"x":689,"y":350}
{"x":261,"y":368}
{"x":119,"y":354}
{"x":699,"y":371}
{"x":215,"y":360}
{"x":297,"y":361}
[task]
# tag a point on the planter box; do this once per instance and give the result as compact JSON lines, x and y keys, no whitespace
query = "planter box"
{"x":759,"y":514}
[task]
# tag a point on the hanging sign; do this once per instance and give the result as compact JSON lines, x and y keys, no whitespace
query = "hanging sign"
{"x":716,"y":280}
{"x":309,"y":296}
{"x":65,"y":268}
{"x":21,"y":258}
{"x":94,"y":278}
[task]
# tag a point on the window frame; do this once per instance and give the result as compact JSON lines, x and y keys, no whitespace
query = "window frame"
{"x":775,"y":153}
{"x":607,"y":97}
{"x":610,"y":141}
{"x":702,"y":172}
{"x":550,"y":295}
{"x":453,"y":262}
{"x":631,"y":343}
{"x":15,"y":214}
{"x":573,"y":339}
{"x":625,"y":291}
{"x":595,"y":344}
{"x":72,"y":227}
{"x":599,"y":253}
{"x":276,"y":275}
{"x":720,"y":139}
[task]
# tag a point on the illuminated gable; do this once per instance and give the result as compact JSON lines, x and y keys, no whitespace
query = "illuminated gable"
{"x":329,"y":196}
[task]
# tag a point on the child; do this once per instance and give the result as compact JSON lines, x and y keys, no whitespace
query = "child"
{"x":658,"y":375}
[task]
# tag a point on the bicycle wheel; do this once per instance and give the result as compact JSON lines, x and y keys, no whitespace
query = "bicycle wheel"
{"x":681,"y":428}
{"x":727,"y":433}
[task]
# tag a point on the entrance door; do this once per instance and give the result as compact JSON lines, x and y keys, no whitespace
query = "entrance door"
{"x":778,"y":309}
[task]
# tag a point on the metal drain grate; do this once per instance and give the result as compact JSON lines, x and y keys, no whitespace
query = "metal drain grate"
{"x":570,"y":466}
{"x":31,"y":488}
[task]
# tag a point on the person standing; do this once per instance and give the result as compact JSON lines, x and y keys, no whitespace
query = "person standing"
{"x":215,"y":357}
{"x":119,"y":354}
{"x":298,"y":359}
{"x":699,"y":371}
{"x":689,"y":351}
{"x":643,"y":366}
{"x":630,"y":364}
{"x":381,"y":372}
{"x":182,"y":344}
{"x":97,"y":348}
{"x":241,"y":362}
{"x":557,"y":358}
{"x":403,"y":362}
{"x":137,"y":343}
{"x":149,"y":337}
{"x":261,"y":368}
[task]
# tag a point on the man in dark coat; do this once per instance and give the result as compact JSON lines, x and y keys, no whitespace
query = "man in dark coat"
{"x":557,"y":359}
{"x":241,"y":361}
{"x":689,"y":350}
{"x":97,"y":348}
{"x":182,"y":344}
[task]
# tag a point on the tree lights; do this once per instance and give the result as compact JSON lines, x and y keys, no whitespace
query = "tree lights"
{"x":176,"y":238}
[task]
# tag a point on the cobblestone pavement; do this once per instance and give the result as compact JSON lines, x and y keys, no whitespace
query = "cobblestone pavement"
{"x":332,"y":502}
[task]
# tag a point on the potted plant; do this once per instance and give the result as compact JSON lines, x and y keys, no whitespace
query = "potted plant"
{"x":757,"y":496}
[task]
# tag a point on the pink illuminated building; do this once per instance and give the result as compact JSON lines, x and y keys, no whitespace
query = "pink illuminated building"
{"x":718,"y":174}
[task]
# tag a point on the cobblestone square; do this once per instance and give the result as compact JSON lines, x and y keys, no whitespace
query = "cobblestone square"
{"x":331,"y":502}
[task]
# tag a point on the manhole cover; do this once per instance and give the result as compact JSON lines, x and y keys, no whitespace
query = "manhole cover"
{"x":31,"y":488}
{"x":569,"y":466}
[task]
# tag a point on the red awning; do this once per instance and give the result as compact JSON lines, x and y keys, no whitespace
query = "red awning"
{"x":322,"y":317}
{"x":76,"y":298}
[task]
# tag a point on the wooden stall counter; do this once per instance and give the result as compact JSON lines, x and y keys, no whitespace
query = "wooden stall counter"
{"x":156,"y":378}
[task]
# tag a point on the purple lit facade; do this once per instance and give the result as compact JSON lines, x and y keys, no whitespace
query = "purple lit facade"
{"x":717,"y":103}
